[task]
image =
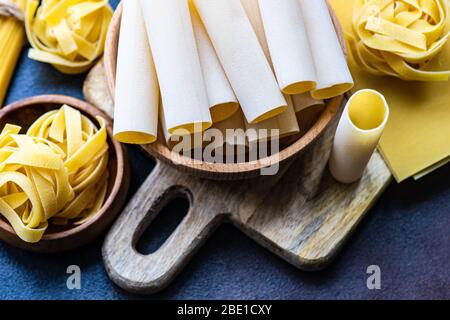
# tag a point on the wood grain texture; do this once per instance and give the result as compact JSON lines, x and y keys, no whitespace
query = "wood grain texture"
{"x":63,"y":238}
{"x":95,"y":89}
{"x":282,"y":213}
{"x":301,"y":214}
{"x":221,"y":171}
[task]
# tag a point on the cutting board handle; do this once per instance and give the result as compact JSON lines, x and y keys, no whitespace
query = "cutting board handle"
{"x":140,"y":273}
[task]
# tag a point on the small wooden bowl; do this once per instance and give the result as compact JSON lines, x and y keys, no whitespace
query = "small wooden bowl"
{"x":218,"y":171}
{"x":63,"y":238}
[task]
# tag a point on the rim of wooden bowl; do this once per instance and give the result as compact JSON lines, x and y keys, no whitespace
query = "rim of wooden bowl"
{"x":121,"y":181}
{"x":213,"y":170}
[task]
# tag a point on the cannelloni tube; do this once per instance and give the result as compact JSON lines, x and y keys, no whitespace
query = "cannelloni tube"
{"x":242,"y":58}
{"x":304,"y":101}
{"x":222,"y":100}
{"x":137,"y":90}
{"x":286,"y":123}
{"x":175,"y":53}
{"x":281,"y":126}
{"x":186,"y":141}
{"x":359,"y":131}
{"x":332,"y":73}
{"x":233,"y":132}
{"x":288,"y":45}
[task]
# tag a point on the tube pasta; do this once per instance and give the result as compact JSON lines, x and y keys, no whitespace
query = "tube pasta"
{"x":175,"y":53}
{"x":70,"y":35}
{"x":191,"y":141}
{"x":233,"y":131}
{"x":242,"y":58}
{"x":137,"y":90}
{"x":359,"y":130}
{"x":286,"y":123}
{"x":304,"y":101}
{"x":399,"y":37}
{"x":289,"y":45}
{"x":281,"y":126}
{"x":12,"y":36}
{"x":222,"y":100}
{"x":55,"y":172}
{"x":332,"y":73}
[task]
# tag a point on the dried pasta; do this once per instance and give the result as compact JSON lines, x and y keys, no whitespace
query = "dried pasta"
{"x":12,"y":37}
{"x":57,"y":172}
{"x":69,"y":34}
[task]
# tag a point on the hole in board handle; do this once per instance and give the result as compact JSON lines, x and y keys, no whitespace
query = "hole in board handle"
{"x":169,"y":211}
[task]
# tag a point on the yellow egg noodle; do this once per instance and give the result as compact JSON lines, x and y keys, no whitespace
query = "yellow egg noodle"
{"x":69,"y":34}
{"x":399,"y":37}
{"x":55,"y":172}
{"x":12,"y":37}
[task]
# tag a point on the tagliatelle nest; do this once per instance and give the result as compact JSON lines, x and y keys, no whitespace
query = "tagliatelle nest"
{"x":399,"y":37}
{"x":57,"y":172}
{"x":68,"y":34}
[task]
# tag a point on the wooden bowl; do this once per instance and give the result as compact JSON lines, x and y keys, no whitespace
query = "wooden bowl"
{"x":218,"y":171}
{"x":62,"y":238}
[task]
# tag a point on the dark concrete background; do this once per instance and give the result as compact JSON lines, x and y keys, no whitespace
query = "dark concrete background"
{"x":407,"y":234}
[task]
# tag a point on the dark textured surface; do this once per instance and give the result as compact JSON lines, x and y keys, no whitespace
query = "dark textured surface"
{"x":407,"y":234}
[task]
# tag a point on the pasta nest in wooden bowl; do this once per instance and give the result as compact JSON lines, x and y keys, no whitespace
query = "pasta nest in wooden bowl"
{"x":56,"y":200}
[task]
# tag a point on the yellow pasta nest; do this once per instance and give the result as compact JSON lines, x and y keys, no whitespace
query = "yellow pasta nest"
{"x":69,"y":34}
{"x":399,"y":37}
{"x":55,"y":172}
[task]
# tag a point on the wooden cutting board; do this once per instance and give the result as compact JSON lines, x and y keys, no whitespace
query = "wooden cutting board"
{"x":302,"y":214}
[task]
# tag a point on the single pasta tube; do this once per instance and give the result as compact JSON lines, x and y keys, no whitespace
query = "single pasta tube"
{"x":358,"y":133}
{"x":242,"y":58}
{"x":285,"y":124}
{"x":181,"y":137}
{"x":288,"y":45}
{"x":233,"y":132}
{"x":177,"y":63}
{"x":137,"y":89}
{"x":281,"y":126}
{"x":332,"y":72}
{"x":222,"y":100}
{"x":304,"y":101}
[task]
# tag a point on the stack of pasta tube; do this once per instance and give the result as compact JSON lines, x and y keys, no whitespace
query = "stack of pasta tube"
{"x":223,"y":64}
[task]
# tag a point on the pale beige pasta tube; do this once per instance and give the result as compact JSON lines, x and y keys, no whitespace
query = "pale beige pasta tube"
{"x":359,"y":130}
{"x":183,"y":138}
{"x":222,"y":100}
{"x":304,"y":101}
{"x":137,"y":90}
{"x":175,"y":53}
{"x":281,"y":126}
{"x":233,"y":132}
{"x":286,"y":123}
{"x":332,"y":72}
{"x":242,"y":58}
{"x":288,"y":45}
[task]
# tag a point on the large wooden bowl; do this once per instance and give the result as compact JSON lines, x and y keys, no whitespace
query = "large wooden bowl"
{"x":62,"y":238}
{"x":315,"y":122}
